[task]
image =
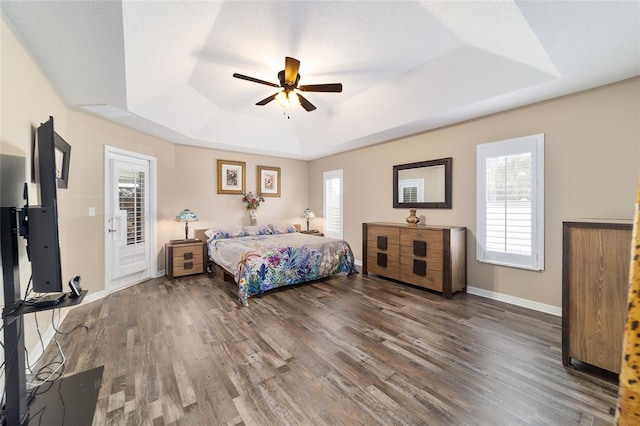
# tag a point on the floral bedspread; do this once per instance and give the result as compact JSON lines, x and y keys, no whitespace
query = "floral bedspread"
{"x":264,"y":262}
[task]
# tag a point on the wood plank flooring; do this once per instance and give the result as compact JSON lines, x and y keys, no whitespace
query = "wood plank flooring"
{"x":348,"y":350}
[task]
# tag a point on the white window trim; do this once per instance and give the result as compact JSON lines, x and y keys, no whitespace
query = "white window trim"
{"x":533,"y":144}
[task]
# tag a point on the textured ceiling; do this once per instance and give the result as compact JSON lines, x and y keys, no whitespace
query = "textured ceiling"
{"x":406,"y":67}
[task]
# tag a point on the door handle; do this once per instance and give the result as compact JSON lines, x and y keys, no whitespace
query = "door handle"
{"x":111,"y":230}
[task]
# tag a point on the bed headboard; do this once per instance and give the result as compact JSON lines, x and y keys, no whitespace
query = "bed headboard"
{"x":199,"y":234}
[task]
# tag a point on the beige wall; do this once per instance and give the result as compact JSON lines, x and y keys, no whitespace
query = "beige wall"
{"x":196,"y":180}
{"x":592,"y":157}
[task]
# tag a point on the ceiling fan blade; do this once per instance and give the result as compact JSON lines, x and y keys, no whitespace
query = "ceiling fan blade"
{"x":255,"y":80}
{"x":333,"y":87}
{"x":291,"y":67}
{"x":267,"y":100}
{"x":305,"y":103}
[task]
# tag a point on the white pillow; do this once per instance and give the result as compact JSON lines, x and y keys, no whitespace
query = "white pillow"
{"x":257,"y":230}
{"x":224,"y":232}
{"x":282,"y":228}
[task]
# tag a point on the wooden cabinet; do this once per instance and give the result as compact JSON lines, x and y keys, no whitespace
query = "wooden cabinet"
{"x":432,"y":257}
{"x":185,"y":258}
{"x":595,"y":278}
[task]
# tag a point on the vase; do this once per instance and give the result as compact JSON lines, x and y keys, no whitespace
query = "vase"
{"x":253,"y":216}
{"x":412,"y":219}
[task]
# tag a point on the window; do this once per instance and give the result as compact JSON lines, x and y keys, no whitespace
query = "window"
{"x":411,"y":190}
{"x":510,"y":202}
{"x":333,"y":203}
{"x":132,"y":197}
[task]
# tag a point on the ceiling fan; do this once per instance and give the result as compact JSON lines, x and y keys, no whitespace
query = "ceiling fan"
{"x":290,"y":93}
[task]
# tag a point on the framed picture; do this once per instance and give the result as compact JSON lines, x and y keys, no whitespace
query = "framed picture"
{"x":269,"y":181}
{"x":231,"y":177}
{"x":62,"y":156}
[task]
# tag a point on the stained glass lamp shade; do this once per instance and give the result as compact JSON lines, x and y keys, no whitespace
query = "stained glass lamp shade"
{"x":186,"y":216}
{"x":307,"y":214}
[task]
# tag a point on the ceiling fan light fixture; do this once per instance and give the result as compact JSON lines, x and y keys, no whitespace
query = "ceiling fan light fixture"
{"x":281,"y":97}
{"x":287,"y":98}
{"x":293,"y":98}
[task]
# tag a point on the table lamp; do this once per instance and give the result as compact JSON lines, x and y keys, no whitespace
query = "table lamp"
{"x":307,"y":214}
{"x":186,"y":216}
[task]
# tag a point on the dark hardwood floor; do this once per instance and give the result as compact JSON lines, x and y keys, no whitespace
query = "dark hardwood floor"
{"x":349,"y":350}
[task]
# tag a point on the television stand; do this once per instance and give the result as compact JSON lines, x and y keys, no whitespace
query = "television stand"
{"x":74,"y":397}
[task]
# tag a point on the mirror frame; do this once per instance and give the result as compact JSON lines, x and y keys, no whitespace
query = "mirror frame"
{"x":446,"y":162}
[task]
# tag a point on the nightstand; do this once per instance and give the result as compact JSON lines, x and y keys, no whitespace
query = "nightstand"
{"x":186,"y":257}
{"x":313,"y":232}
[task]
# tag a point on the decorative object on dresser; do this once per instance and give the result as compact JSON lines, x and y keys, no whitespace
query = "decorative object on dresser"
{"x":432,"y":257}
{"x":186,"y":216}
{"x":595,"y":279}
{"x":185,"y":258}
{"x":307,"y":214}
{"x":412,"y":219}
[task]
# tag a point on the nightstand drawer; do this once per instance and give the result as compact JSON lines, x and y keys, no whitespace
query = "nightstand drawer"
{"x":190,"y":253}
{"x":187,"y":268}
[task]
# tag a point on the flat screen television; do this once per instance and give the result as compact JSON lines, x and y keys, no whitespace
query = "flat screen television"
{"x":43,"y":243}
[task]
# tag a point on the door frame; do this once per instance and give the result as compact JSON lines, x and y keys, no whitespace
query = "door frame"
{"x":153,"y":214}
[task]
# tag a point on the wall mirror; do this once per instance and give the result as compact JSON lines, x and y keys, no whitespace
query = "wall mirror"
{"x":425,"y":184}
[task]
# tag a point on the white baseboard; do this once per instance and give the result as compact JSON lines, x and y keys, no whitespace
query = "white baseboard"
{"x":518,"y":301}
{"x":47,"y":336}
{"x":92,"y":297}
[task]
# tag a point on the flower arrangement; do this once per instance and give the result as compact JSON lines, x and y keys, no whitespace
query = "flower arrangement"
{"x":252,"y":202}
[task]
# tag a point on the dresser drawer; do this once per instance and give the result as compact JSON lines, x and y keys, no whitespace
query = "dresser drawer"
{"x":421,"y":276}
{"x":432,"y":237}
{"x":433,"y":258}
{"x":384,"y":263}
{"x":379,"y":236}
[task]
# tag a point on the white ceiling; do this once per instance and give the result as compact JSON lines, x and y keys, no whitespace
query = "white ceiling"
{"x":406,"y":67}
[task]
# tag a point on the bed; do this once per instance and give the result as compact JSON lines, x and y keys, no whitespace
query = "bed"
{"x":264,"y":257}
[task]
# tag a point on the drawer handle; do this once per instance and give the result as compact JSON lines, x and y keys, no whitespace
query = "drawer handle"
{"x":382,"y":260}
{"x":188,"y":255}
{"x":188,"y":265}
{"x":419,"y":248}
{"x":382,"y":242}
{"x":419,"y":267}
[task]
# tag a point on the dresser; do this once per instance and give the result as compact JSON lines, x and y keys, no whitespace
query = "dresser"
{"x":432,"y":257}
{"x":596,"y":258}
{"x":185,"y":258}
